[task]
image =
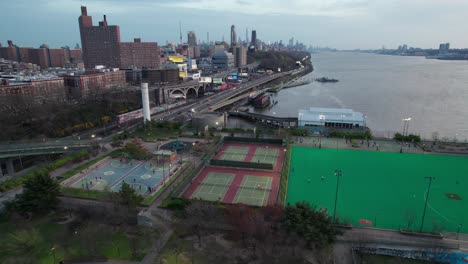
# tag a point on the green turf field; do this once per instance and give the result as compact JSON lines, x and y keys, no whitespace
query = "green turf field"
{"x":385,"y":188}
{"x":265,"y":155}
{"x":214,"y":186}
{"x":235,"y":153}
{"x":254,"y":190}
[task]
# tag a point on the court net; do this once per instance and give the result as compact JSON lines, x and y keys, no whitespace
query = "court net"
{"x":246,"y":187}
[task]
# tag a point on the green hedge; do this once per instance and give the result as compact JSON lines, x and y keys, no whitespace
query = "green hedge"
{"x":284,"y":177}
{"x":254,"y":140}
{"x":89,"y":194}
{"x":11,"y":184}
{"x":175,"y":203}
{"x":241,"y":164}
{"x":408,"y":138}
{"x":298,"y":132}
{"x":363,"y":135}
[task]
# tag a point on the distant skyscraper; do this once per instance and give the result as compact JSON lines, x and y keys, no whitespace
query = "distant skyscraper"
{"x":191,"y":39}
{"x":233,"y":36}
{"x":254,"y":37}
{"x":247,"y":36}
{"x":180,"y":33}
{"x":444,"y":48}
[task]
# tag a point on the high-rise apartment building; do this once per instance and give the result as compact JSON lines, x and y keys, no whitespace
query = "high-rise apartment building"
{"x":191,"y":39}
{"x":101,"y":46}
{"x":240,"y":56}
{"x":233,"y":36}
{"x":43,"y":56}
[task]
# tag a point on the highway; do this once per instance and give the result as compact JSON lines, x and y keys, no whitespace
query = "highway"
{"x":84,"y":139}
{"x":211,"y":102}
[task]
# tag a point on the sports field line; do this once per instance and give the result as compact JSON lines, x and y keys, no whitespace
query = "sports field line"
{"x":125,"y":175}
{"x":252,"y":195}
{"x":434,"y":210}
{"x":266,"y":155}
{"x":91,"y":169}
{"x":211,"y":180}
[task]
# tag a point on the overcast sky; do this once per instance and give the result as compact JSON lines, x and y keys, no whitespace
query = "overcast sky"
{"x":343,"y":24}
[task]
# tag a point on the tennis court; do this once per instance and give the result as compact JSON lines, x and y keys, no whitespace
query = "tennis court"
{"x":214,"y":186}
{"x":266,"y":155}
{"x":254,"y":190}
{"x":237,"y":153}
{"x":383,"y":189}
{"x":235,"y":185}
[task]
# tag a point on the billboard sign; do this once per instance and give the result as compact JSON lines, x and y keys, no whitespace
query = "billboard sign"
{"x":233,"y":74}
{"x":217,"y":80}
{"x":205,"y":80}
{"x":176,"y":59}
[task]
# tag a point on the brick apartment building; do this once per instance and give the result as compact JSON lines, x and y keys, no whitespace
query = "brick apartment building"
{"x":43,"y":56}
{"x":102,"y":46}
{"x":19,"y":95}
{"x":91,"y":84}
{"x":152,"y":76}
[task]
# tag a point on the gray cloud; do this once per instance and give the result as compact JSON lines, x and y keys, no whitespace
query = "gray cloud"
{"x":340,"y":23}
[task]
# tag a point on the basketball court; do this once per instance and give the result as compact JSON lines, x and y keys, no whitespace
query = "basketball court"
{"x":111,"y":174}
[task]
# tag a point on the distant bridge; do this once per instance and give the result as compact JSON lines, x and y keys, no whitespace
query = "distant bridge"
{"x":29,"y":149}
{"x":286,"y":122}
{"x":193,"y":89}
{"x":10,"y":152}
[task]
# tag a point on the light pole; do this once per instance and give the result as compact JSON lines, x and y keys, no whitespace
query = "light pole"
{"x":427,"y":198}
{"x":338,"y":174}
{"x":458,"y":230}
{"x":164,"y":172}
{"x":322,"y":118}
{"x":53,"y":253}
{"x":404,"y":132}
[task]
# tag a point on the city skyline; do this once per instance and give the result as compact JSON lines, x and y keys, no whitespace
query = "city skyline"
{"x":345,"y":24}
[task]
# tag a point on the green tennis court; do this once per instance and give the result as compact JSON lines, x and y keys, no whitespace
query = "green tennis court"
{"x":254,"y":190}
{"x":265,"y":155}
{"x":214,"y":186}
{"x":236,"y":153}
{"x":383,"y":189}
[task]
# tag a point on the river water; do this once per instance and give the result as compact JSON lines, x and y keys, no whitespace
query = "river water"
{"x":386,"y":89}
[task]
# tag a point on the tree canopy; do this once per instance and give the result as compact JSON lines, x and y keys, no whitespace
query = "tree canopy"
{"x":314,"y":226}
{"x":40,"y":195}
{"x":128,"y":197}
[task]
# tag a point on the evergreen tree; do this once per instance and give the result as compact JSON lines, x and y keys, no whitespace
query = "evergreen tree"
{"x":40,"y":195}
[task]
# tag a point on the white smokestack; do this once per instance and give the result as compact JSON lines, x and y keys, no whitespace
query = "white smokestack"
{"x":145,"y":102}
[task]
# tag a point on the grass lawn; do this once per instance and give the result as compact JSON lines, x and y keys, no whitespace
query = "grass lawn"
{"x":156,"y":133}
{"x":85,"y":165}
{"x":72,"y":241}
{"x":383,"y":189}
{"x":181,"y":251}
{"x":90,"y":194}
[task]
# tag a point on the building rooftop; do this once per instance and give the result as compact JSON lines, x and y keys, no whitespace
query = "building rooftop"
{"x":330,"y":115}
